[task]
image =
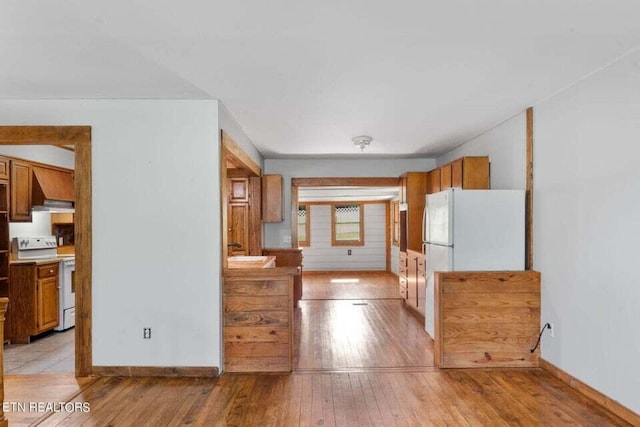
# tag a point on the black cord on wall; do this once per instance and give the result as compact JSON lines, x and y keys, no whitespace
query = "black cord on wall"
{"x":546,"y":325}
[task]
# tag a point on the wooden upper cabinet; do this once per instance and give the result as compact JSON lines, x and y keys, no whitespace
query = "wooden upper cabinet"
{"x":456,"y":173}
{"x":475,"y":173}
{"x":239,"y":190}
{"x":411,"y":222}
{"x":445,"y":177}
{"x":4,"y":168}
{"x":21,"y":179}
{"x":403,"y":189}
{"x":272,"y":198}
{"x":433,"y":181}
{"x":469,"y":173}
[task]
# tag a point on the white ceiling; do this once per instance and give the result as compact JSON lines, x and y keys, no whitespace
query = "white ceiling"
{"x":349,"y":194}
{"x":302,"y":78}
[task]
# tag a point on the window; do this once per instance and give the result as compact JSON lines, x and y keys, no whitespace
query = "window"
{"x":395,"y":223}
{"x":304,"y":219}
{"x":347,"y":224}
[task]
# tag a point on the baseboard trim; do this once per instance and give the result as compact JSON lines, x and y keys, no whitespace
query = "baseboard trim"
{"x":155,"y":371}
{"x":612,"y":405}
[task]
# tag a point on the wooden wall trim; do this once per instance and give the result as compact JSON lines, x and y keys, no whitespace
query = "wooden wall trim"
{"x":239,"y":155}
{"x":156,"y":371}
{"x":341,"y":182}
{"x":80,"y":138}
{"x":83,"y":236}
{"x":387,"y":234}
{"x":294,"y":215}
{"x":529,"y":193}
{"x":44,"y":135}
{"x":593,"y":394}
{"x":3,"y":309}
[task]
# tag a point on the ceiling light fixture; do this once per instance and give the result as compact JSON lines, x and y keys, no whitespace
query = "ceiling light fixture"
{"x":362,"y":141}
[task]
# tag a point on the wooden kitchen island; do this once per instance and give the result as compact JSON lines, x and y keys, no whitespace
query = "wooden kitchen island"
{"x":258,"y":319}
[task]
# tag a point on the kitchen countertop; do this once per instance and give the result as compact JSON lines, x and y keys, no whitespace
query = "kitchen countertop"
{"x":269,"y":262}
{"x":39,"y":261}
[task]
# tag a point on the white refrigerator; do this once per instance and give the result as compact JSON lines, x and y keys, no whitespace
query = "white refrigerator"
{"x":471,"y":230}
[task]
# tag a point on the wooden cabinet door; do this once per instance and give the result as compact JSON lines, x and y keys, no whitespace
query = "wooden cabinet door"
{"x":4,"y":168}
{"x":433,"y":181}
{"x":47,"y":303}
{"x":445,"y":177}
{"x":238,"y":218}
{"x":456,"y":174}
{"x":272,"y":198}
{"x":20,"y":191}
{"x":239,"y":190}
{"x":421,"y":284}
{"x":475,"y":173}
{"x":412,"y":284}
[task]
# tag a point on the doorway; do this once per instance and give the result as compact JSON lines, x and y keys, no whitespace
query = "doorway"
{"x":351,"y":316}
{"x":77,"y":138}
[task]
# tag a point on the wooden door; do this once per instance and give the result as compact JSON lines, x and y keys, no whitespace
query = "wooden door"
{"x":456,"y":174}
{"x":238,"y":190}
{"x":20,"y":191}
{"x":238,"y":218}
{"x":47,"y":303}
{"x":445,"y":177}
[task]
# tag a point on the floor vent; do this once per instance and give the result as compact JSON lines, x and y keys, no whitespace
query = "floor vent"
{"x":360,"y":303}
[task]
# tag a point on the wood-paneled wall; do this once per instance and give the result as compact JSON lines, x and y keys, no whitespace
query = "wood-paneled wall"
{"x":486,"y":319}
{"x":258,"y":319}
{"x":320,"y":255}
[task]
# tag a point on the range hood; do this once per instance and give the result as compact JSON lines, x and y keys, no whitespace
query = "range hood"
{"x":52,"y":191}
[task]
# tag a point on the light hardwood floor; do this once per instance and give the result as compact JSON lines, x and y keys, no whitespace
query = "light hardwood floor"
{"x":357,"y":365}
{"x":53,"y":352}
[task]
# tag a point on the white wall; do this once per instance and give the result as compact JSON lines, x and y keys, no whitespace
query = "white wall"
{"x":39,"y":226}
{"x":395,"y":259}
{"x":586,"y":222}
{"x":276,"y":233}
{"x":505,"y":146}
{"x":156,"y":225}
{"x":39,"y":153}
{"x":235,"y":131}
{"x":320,"y":255}
{"x":586,"y":228}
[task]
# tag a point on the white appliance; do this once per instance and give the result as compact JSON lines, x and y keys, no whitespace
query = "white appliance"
{"x":471,"y":230}
{"x":67,"y":306}
{"x":35,"y":247}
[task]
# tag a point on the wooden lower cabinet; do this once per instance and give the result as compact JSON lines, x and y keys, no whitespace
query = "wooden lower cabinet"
{"x":289,"y":257}
{"x":34,"y":300}
{"x":402,"y":276}
{"x":416,"y":281}
{"x":258,"y":319}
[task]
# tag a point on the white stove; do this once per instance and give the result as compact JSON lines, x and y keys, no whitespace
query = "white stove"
{"x":67,"y":306}
{"x":35,"y":247}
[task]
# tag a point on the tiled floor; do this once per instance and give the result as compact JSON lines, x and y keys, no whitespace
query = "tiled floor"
{"x":53,"y":352}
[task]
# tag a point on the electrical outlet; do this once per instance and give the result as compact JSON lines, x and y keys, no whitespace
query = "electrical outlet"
{"x":146,"y":334}
{"x":348,"y":251}
{"x":552,"y":330}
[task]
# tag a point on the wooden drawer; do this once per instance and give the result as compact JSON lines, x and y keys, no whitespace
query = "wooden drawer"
{"x":4,"y":168}
{"x":403,"y":271}
{"x":48,"y":270}
{"x":404,"y":259}
{"x":403,"y":282}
